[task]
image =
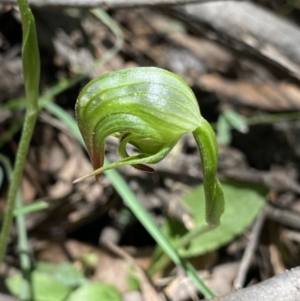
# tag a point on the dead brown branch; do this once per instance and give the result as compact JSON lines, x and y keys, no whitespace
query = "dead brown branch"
{"x":249,"y":29}
{"x":106,"y":3}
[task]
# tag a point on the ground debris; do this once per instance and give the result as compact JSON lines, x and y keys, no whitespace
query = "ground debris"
{"x":226,"y":68}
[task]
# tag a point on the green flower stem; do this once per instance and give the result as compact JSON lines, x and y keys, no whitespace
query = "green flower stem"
{"x":31,"y":70}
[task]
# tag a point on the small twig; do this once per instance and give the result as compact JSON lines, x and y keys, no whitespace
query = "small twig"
{"x":291,"y":235}
{"x":276,"y":180}
{"x":285,"y":217}
{"x":248,"y":254}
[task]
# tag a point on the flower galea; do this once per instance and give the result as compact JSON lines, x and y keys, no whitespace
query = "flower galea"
{"x":151,"y":109}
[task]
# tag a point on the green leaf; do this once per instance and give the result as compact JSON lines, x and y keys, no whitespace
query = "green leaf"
{"x":96,"y":292}
{"x":236,"y":121}
{"x":65,"y":273}
{"x":37,"y":206}
{"x":46,"y":267}
{"x":223,"y":130}
{"x":45,"y":287}
{"x":227,"y":121}
{"x":89,"y":260}
{"x":30,"y":56}
{"x":68,"y":275}
{"x":243,"y":202}
{"x":133,"y":282}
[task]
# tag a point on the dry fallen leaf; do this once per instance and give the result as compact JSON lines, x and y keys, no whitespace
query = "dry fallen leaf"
{"x":271,"y":96}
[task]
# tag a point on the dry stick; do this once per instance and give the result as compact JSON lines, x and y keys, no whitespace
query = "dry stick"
{"x":107,"y":3}
{"x":248,"y":254}
{"x":292,"y":235}
{"x":247,"y":28}
{"x":285,"y":217}
{"x":283,"y":287}
{"x":275,"y":180}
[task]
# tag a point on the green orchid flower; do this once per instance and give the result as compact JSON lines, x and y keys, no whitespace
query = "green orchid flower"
{"x":151,"y":109}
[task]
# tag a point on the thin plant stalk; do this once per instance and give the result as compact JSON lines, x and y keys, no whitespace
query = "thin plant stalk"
{"x":31,"y":71}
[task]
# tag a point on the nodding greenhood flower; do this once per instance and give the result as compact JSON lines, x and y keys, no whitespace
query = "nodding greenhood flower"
{"x":151,"y":109}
